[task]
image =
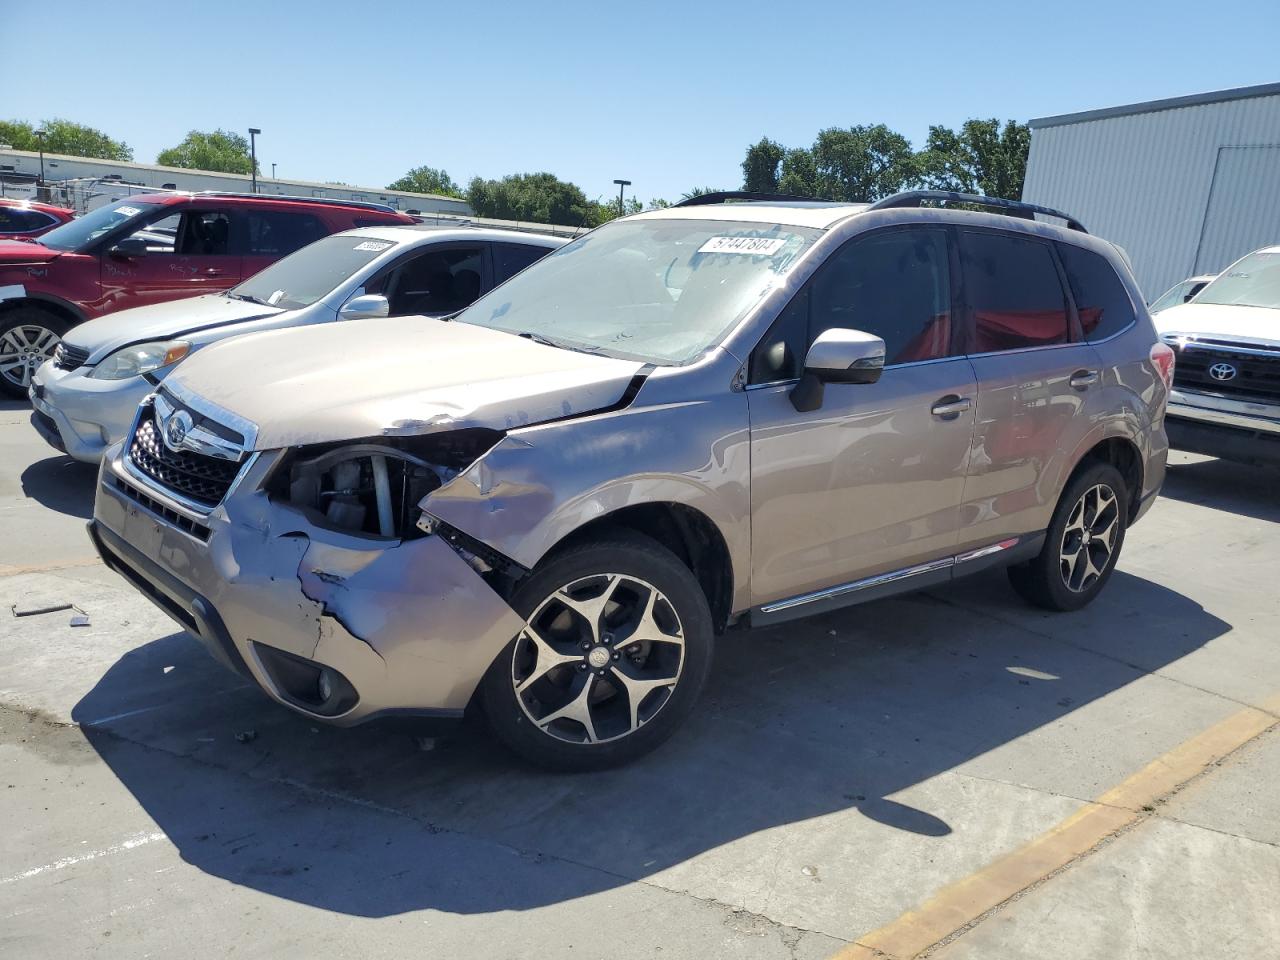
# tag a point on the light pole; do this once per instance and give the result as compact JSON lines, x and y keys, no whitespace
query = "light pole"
{"x":40,"y":138}
{"x":273,"y":171}
{"x":622,"y":185}
{"x":253,"y":155}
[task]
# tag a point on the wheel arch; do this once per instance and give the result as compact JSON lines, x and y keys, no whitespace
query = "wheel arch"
{"x":1123,"y":454}
{"x":60,"y":308}
{"x":684,"y":530}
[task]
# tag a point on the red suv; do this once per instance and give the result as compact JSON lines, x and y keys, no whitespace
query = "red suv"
{"x":24,"y":219}
{"x":148,"y":249}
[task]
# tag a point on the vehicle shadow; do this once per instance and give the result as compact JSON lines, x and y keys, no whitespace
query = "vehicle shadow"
{"x":1247,"y":490}
{"x":835,"y":714}
{"x":61,"y":484}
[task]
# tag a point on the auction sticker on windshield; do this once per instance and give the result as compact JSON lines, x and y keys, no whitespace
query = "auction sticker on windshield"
{"x":754,"y":246}
{"x":374,"y":246}
{"x":128,"y":211}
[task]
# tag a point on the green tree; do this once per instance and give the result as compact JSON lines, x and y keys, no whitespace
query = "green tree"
{"x":700,"y":192}
{"x":534,"y":197}
{"x":799,"y":176}
{"x":863,"y":163}
{"x":981,"y":158}
{"x":761,"y":168}
{"x":427,"y":180}
{"x":64,"y":136}
{"x":219,"y":150}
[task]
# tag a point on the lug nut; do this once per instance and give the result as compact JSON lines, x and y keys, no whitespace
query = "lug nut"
{"x":607,"y":638}
{"x":617,"y":656}
{"x":586,"y":645}
{"x":599,"y":673}
{"x":581,"y":667}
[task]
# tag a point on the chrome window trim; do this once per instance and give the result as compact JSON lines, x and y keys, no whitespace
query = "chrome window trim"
{"x":892,"y":576}
{"x":887,"y":367}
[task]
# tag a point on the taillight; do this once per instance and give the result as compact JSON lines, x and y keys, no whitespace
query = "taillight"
{"x":1162,"y":358}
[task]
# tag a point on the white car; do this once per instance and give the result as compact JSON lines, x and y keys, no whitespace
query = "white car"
{"x":1184,"y":291}
{"x":1226,"y":385}
{"x":84,"y":399}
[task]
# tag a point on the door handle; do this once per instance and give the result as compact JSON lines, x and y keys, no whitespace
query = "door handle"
{"x":1083,"y":379}
{"x":950,"y":406}
{"x":213,"y":272}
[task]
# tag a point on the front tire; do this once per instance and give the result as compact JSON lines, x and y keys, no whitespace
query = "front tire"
{"x":28,"y":336}
{"x":616,"y":647}
{"x":1082,"y":544}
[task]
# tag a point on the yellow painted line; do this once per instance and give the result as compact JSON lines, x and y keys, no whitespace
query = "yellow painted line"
{"x":960,"y":904}
{"x":9,"y":570}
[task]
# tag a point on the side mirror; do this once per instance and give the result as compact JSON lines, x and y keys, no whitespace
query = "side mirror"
{"x":365,"y":307}
{"x":837,"y":356}
{"x":128,"y":248}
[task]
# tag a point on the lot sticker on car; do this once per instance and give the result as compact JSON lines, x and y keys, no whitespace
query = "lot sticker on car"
{"x":374,"y":245}
{"x":754,"y":246}
{"x":129,"y":211}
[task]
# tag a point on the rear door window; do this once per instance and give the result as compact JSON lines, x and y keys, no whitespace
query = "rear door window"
{"x":17,"y":220}
{"x":1102,"y":302}
{"x":1014,"y":292}
{"x":439,"y":281}
{"x":510,"y":258}
{"x":276,"y":233}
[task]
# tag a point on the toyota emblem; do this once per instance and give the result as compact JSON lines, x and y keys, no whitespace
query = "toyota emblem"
{"x":1222,"y":371}
{"x":176,"y":429}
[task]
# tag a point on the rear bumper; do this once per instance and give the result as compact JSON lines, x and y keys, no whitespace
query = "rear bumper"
{"x":396,"y":627}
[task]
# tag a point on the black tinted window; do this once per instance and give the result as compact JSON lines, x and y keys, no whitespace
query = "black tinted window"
{"x":780,"y":355}
{"x":1014,"y":292}
{"x":1101,"y":299}
{"x":894,"y":285}
{"x":14,"y":220}
{"x":275,"y":233}
{"x":510,"y":258}
{"x":436,"y":282}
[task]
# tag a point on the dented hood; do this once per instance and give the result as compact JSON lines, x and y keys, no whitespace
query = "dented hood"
{"x":395,"y":377}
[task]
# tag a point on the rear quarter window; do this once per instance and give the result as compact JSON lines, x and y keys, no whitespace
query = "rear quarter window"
{"x":1101,"y":299}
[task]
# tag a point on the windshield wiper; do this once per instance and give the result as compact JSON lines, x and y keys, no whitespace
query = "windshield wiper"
{"x":247,"y":298}
{"x":548,"y":342}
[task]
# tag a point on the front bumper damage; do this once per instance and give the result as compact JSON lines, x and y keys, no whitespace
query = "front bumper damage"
{"x":393,"y":626}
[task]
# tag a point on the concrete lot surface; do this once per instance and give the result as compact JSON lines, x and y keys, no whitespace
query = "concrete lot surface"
{"x":950,"y":773}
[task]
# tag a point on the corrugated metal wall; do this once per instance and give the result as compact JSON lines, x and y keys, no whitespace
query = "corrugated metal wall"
{"x":1144,"y":181}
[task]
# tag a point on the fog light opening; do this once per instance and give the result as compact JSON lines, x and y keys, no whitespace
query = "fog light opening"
{"x":324,"y":685}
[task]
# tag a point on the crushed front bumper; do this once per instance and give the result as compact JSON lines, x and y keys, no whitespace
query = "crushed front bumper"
{"x":392,"y":626}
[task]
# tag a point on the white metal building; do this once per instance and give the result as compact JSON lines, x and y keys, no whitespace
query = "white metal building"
{"x":20,"y":168}
{"x":1185,"y":185}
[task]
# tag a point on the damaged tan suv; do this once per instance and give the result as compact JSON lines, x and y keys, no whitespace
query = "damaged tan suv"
{"x":725,"y":413}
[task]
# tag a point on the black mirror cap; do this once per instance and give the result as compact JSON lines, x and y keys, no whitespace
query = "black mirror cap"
{"x":129,"y":247}
{"x":808,"y":393}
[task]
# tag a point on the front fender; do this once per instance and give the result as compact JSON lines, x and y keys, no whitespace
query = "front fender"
{"x":540,"y":484}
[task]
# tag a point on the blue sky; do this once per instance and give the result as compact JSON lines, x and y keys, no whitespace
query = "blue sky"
{"x":667,"y":95}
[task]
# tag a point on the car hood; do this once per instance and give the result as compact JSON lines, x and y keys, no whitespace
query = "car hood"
{"x":163,"y":321}
{"x":1221,"y":321}
{"x":402,"y":376}
{"x":23,"y":251}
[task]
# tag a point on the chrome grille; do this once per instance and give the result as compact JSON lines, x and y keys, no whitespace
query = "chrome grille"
{"x":68,"y":357}
{"x":195,"y":476}
{"x":1256,"y":376}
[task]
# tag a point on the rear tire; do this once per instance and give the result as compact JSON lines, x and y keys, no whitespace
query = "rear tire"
{"x":28,"y":336}
{"x":616,"y":647}
{"x":1082,"y":544}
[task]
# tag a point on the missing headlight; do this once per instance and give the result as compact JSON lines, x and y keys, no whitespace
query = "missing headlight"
{"x":374,"y":488}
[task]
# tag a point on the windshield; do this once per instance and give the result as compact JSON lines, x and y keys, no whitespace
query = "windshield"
{"x":84,"y":230}
{"x":302,"y":278}
{"x":1251,"y":282}
{"x":661,"y":291}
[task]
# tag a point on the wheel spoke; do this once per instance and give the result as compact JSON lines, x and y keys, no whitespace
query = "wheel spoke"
{"x":577,"y":709}
{"x":46,"y":342}
{"x":637,"y":689}
{"x":548,"y":658}
{"x":1070,"y":558}
{"x":647,"y":628}
{"x":592,"y":609}
{"x":18,"y":337}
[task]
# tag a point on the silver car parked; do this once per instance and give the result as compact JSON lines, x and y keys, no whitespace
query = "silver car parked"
{"x":715,"y":415}
{"x":85,"y":397}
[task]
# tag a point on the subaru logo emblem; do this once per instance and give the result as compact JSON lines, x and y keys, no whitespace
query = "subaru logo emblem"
{"x":1222,"y":371}
{"x":176,"y":429}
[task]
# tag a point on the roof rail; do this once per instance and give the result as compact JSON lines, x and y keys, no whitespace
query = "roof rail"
{"x":1012,"y":208}
{"x":366,"y":204}
{"x":723,"y":196}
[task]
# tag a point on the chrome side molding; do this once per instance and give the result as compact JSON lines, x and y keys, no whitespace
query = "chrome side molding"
{"x":880,"y":579}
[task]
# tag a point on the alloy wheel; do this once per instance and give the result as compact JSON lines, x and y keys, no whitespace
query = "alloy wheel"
{"x":598,"y":658}
{"x":1089,"y":539}
{"x":23,"y":349}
